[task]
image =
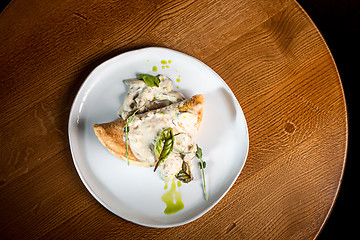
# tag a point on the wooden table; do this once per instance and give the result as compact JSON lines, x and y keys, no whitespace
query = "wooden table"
{"x":269,"y":53}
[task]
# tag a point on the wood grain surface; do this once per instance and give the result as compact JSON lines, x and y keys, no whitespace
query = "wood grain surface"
{"x":269,"y":53}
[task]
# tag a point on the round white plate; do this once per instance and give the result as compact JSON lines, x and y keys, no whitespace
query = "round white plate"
{"x":132,"y":192}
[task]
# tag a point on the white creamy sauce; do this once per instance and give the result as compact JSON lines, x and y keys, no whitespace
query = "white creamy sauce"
{"x":140,"y":94}
{"x":147,"y":125}
{"x":146,"y":128}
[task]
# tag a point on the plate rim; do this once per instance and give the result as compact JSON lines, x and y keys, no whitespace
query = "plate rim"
{"x":70,"y":125}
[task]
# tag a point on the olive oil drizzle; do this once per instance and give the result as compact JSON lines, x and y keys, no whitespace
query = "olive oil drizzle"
{"x":172,"y":199}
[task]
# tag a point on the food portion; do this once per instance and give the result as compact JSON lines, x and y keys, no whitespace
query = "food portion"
{"x":157,"y":128}
{"x":149,"y":94}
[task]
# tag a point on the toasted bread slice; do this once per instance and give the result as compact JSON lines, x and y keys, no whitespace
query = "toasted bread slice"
{"x":111,"y":134}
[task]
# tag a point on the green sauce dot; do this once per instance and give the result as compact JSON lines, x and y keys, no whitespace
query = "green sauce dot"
{"x":163,"y":62}
{"x":154,"y":68}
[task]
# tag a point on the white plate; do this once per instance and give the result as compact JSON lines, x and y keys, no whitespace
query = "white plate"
{"x":132,"y":192}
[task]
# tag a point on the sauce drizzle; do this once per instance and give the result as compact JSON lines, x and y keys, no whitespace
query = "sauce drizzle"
{"x":172,"y":199}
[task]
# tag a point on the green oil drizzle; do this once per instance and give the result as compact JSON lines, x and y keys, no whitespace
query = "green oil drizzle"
{"x":172,"y":199}
{"x":154,"y":68}
{"x":165,"y":64}
{"x":166,"y":185}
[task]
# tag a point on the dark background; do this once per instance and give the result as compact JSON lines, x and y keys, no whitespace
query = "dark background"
{"x":339,"y":23}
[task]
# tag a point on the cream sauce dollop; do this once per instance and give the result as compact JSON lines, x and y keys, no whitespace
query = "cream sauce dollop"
{"x":146,"y":128}
{"x":140,"y":94}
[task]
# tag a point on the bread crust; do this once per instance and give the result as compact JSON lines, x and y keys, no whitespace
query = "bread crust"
{"x":111,"y":134}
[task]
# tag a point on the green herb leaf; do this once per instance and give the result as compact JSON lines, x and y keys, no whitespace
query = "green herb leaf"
{"x":185,"y":174}
{"x":150,"y":80}
{"x":198,"y":152}
{"x":202,"y":166}
{"x":164,"y":145}
{"x":126,"y":132}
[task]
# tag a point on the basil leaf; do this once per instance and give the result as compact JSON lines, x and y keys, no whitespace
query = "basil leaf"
{"x":164,"y":145}
{"x":150,"y":80}
{"x":185,"y":173}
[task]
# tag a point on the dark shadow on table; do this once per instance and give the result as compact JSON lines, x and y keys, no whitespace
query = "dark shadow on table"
{"x":339,"y":23}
